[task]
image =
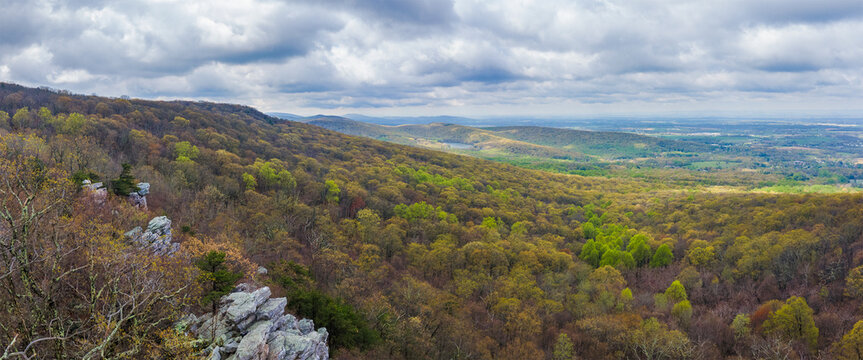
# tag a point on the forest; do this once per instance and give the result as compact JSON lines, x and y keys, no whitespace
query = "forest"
{"x":400,"y":252}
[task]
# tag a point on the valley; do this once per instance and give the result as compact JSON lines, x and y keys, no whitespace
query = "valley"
{"x":757,"y":156}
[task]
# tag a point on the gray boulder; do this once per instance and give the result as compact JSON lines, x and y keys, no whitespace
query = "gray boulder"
{"x":254,"y":344}
{"x":251,"y":325}
{"x":138,"y":200}
{"x":239,"y":306}
{"x":160,"y":225}
{"x":271,"y":309}
{"x":96,"y":191}
{"x":134,"y":233}
{"x":232,"y":345}
{"x":306,"y":326}
{"x":215,"y":354}
{"x":143,"y":188}
{"x":222,"y":328}
{"x":286,"y":322}
{"x":244,"y":325}
{"x":292,"y":346}
{"x":157,"y":237}
{"x":261,"y":295}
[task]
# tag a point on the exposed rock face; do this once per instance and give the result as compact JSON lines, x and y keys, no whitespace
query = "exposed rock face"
{"x":139,"y":198}
{"x":157,"y":237}
{"x":251,"y":325}
{"x":143,"y":188}
{"x":96,"y":191}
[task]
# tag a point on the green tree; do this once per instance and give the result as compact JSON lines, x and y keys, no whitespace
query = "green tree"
{"x":590,"y":253}
{"x":186,"y":150}
{"x":21,"y":119}
{"x":662,"y":257}
{"x":179,"y":122}
{"x":851,"y":345}
{"x":332,"y":192}
{"x":625,"y":299}
{"x":125,"y":183}
{"x":653,"y":340}
{"x":4,"y":120}
{"x":793,"y":321}
{"x":249,"y":181}
{"x":682,"y":312}
{"x":347,"y":327}
{"x":854,"y":283}
{"x":639,"y":249}
{"x":741,"y":326}
{"x":701,"y":253}
{"x":73,"y":124}
{"x":563,"y":348}
{"x":589,"y":230}
{"x":617,"y":258}
{"x":676,"y":292}
{"x":216,"y":278}
{"x":286,"y":180}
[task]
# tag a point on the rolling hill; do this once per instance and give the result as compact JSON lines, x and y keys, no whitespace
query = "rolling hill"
{"x":514,"y":141}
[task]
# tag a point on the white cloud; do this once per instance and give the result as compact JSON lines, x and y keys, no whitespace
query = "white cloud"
{"x":427,"y":56}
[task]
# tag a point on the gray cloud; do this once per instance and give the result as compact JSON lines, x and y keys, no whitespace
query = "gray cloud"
{"x":457,"y":56}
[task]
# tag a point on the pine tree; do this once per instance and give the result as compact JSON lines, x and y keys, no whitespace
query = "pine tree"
{"x":125,"y":184}
{"x":216,"y":279}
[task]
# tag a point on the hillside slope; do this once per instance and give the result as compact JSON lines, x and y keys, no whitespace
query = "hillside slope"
{"x":400,"y":252}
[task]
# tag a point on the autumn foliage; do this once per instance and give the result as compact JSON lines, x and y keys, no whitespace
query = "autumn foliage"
{"x":412,"y":253}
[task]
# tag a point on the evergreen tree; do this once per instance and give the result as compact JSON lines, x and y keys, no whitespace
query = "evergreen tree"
{"x":125,"y":184}
{"x":216,"y":278}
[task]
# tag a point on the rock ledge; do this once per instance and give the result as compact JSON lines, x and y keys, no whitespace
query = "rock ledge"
{"x":252,"y":325}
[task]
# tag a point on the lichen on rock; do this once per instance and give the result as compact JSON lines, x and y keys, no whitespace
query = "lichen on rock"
{"x":157,"y":237}
{"x":252,"y":325}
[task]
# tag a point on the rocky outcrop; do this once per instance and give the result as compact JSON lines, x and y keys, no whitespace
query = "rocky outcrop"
{"x":252,"y":325}
{"x":157,"y":237}
{"x":97,"y":191}
{"x":139,"y":198}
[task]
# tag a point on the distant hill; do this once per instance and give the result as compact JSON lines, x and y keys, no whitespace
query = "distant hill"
{"x":287,"y":116}
{"x":601,"y":143}
{"x":448,"y":137}
{"x":402,"y":120}
{"x":533,"y":141}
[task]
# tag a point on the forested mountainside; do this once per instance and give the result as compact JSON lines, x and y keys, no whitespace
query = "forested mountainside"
{"x":399,"y":252}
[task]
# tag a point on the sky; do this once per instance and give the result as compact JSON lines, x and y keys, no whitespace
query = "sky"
{"x":459,"y":57}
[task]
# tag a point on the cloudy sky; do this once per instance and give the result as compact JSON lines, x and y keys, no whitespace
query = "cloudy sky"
{"x":459,"y":57}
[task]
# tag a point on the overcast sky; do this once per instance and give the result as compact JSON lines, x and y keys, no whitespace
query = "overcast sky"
{"x":461,"y":57}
